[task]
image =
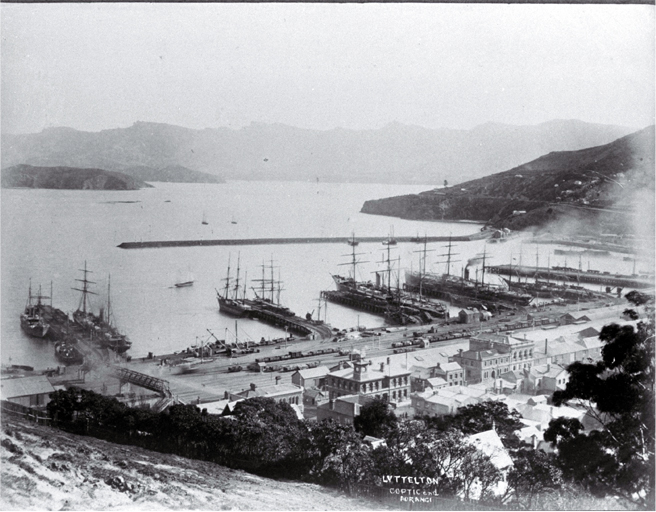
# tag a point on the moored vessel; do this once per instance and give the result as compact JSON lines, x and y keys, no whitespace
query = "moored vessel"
{"x":32,"y":320}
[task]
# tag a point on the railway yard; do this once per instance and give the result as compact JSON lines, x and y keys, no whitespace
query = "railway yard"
{"x":190,"y":378}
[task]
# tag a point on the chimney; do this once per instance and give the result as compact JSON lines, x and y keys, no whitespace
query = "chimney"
{"x":253,"y":386}
{"x":226,"y":395}
{"x":382,"y":367}
{"x":331,"y":404}
{"x":546,"y":345}
{"x":278,"y":377}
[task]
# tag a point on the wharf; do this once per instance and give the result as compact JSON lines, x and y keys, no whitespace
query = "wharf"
{"x":297,"y":241}
{"x":293,"y":324}
{"x":573,"y":275}
{"x":602,"y":246}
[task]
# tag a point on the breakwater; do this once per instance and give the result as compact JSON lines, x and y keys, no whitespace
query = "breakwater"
{"x":299,"y":241}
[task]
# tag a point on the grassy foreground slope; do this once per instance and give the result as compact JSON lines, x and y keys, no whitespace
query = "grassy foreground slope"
{"x":48,"y":469}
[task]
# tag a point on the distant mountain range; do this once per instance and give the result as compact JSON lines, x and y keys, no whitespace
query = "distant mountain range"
{"x":596,"y":183}
{"x":394,"y":154}
{"x":70,"y":178}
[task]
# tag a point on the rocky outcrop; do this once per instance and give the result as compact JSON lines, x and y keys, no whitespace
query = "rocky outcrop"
{"x":27,"y":176}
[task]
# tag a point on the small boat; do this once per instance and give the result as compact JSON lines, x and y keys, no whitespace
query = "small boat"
{"x":204,"y":221}
{"x":184,"y":279}
{"x":184,"y":284}
{"x":233,"y":221}
{"x":67,"y":353}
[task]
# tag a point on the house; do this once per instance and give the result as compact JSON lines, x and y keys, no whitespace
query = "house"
{"x":313,"y":397}
{"x":446,"y":400}
{"x":375,"y":442}
{"x":469,"y":316}
{"x":385,"y":380}
{"x":311,"y":377}
{"x":451,"y":372}
{"x":490,"y":444}
{"x":342,"y":409}
{"x":289,"y":393}
{"x":491,"y":355}
{"x":28,"y":391}
{"x":546,"y":378}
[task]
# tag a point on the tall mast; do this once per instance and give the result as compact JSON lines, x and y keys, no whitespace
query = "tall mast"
{"x":109,"y":300}
{"x":227,"y":280}
{"x":245,"y":281}
{"x":272,"y":282}
{"x":85,"y":288}
{"x":448,"y":257}
{"x":236,"y":289}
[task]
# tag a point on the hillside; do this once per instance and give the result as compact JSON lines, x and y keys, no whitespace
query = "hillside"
{"x":68,"y":178}
{"x":396,"y":153}
{"x":47,"y":469}
{"x":171,"y":174}
{"x":603,"y":180}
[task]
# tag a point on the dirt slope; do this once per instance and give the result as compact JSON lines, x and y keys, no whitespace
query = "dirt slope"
{"x":46,"y":469}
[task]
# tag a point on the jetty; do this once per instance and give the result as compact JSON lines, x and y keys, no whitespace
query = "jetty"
{"x":160,"y":244}
{"x":573,"y":275}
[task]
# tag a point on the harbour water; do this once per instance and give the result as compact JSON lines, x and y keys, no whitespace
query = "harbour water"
{"x":48,"y":234}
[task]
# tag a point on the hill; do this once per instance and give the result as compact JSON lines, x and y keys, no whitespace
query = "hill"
{"x":396,"y":153}
{"x":68,"y":178}
{"x":47,"y":469}
{"x":171,"y":174}
{"x":586,"y":184}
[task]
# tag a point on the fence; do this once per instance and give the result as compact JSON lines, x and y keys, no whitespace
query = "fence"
{"x":35,"y":415}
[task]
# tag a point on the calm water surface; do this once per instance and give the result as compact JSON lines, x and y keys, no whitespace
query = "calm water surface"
{"x":48,"y":234}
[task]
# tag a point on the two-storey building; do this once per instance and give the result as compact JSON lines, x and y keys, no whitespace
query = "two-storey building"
{"x":391,"y":382}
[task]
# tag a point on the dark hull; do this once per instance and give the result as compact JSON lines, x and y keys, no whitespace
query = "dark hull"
{"x":34,"y":328}
{"x":449,"y":288}
{"x":232,"y":307}
{"x":67,"y":353}
{"x":184,"y":285}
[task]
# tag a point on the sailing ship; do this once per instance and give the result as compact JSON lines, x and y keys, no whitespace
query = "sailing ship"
{"x":230,"y":301}
{"x":99,"y":327}
{"x":395,"y":305}
{"x":463,"y":290}
{"x":32,"y":319}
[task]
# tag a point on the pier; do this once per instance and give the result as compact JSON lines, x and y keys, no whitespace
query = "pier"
{"x":572,"y":275}
{"x":298,"y":241}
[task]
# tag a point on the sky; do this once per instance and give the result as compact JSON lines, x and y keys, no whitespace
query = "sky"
{"x":322,"y":66}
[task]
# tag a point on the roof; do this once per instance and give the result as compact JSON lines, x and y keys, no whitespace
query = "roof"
{"x":436,"y":381}
{"x":490,"y":444}
{"x":547,"y":370}
{"x":271,"y":391}
{"x":313,"y":373}
{"x":314,"y":392}
{"x":25,"y":386}
{"x":449,"y":367}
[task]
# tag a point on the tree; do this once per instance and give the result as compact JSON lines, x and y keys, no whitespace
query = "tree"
{"x":376,"y":419}
{"x":342,"y":458}
{"x":533,"y":473}
{"x":457,"y":465}
{"x":617,"y":458}
{"x":476,"y":418}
